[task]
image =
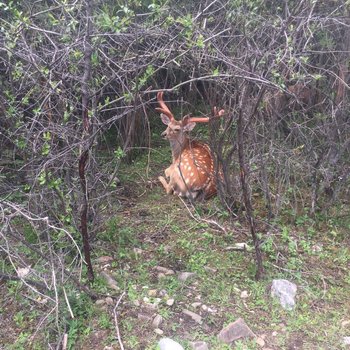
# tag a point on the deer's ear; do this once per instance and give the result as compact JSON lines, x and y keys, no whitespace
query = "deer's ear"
{"x":189,"y":126}
{"x":165,"y":119}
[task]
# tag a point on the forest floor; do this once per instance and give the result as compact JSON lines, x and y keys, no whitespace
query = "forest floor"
{"x":150,"y":239}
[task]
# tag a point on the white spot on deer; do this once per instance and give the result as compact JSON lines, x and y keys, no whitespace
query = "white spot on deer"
{"x":191,"y":174}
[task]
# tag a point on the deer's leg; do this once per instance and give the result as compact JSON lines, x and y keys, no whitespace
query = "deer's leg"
{"x":167,"y":186}
{"x":168,"y":171}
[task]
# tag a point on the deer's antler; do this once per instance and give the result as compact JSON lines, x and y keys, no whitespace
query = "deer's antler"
{"x":163,"y":107}
{"x":216,"y":114}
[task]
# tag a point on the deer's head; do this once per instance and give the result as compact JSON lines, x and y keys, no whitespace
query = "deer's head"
{"x":177,"y":129}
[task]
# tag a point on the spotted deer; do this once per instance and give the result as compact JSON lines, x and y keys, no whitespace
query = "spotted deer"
{"x":191,"y":173}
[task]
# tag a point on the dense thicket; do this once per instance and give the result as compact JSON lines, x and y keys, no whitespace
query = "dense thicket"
{"x":78,"y":76}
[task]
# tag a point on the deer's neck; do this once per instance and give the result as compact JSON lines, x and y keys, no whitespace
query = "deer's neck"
{"x":177,"y":147}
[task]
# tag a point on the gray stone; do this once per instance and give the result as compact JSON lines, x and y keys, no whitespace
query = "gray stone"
{"x":163,"y":293}
{"x":195,"y":317}
{"x":169,"y":344}
{"x":164,"y":270}
{"x":157,"y":321}
{"x":184,"y":276}
{"x":196,"y":304}
{"x":346,"y":340}
{"x":152,"y":292}
{"x":144,"y":318}
{"x":244,"y":294}
{"x":111,"y":282}
{"x":104,"y":259}
{"x":199,"y":345}
{"x":234,"y":331}
{"x":170,"y":302}
{"x":100,"y":302}
{"x":260,"y":342}
{"x":109,"y":301}
{"x":138,"y":251}
{"x":285,"y":291}
{"x":210,"y":269}
{"x":159,"y":331}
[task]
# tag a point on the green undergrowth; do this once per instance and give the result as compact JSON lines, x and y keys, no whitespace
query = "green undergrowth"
{"x":152,"y":230}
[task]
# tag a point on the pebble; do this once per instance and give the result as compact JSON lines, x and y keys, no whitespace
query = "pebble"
{"x":184,"y":276}
{"x":152,"y":292}
{"x":195,"y":317}
{"x":169,"y":344}
{"x":244,"y":294}
{"x":157,"y":321}
{"x":170,"y":302}
{"x":109,"y":301}
{"x":346,"y":340}
{"x":260,"y":342}
{"x":165,"y":270}
{"x":159,"y":331}
{"x":196,"y":304}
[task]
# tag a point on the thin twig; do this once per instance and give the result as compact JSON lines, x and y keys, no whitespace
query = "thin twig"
{"x":116,"y":321}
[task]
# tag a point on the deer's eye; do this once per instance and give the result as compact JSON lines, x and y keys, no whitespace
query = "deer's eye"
{"x":177,"y":129}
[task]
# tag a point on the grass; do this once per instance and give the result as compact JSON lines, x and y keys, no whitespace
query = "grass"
{"x":157,"y":230}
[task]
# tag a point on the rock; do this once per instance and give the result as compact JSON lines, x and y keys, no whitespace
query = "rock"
{"x":244,"y":294}
{"x":152,"y":292}
{"x":210,"y":269}
{"x":199,"y":345}
{"x":274,"y":334}
{"x":109,"y":301}
{"x":169,"y":344}
{"x":239,"y":246}
{"x":163,"y":293}
{"x":100,"y":302}
{"x":138,"y":251}
{"x":104,"y":259}
{"x":150,"y":307}
{"x":159,"y":331}
{"x":157,"y":321}
{"x":196,"y":304}
{"x":346,"y":340}
{"x":184,"y":276}
{"x":144,"y":318}
{"x":285,"y":291}
{"x":316,"y":248}
{"x":164,"y":270}
{"x":208,"y":309}
{"x":157,"y":301}
{"x":234,"y":331}
{"x":260,"y":341}
{"x":170,"y":302}
{"x":345,"y":323}
{"x":195,"y":317}
{"x":23,"y":271}
{"x":111,"y":282}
